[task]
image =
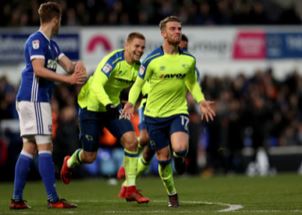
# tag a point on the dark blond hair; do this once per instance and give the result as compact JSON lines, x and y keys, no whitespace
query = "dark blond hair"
{"x":162,"y":24}
{"x":49,"y":10}
{"x":134,"y":35}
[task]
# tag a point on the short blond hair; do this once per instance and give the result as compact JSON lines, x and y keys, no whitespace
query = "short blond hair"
{"x":134,"y":35}
{"x":163,"y":23}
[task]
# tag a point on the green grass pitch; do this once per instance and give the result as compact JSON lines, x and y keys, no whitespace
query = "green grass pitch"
{"x":281,"y":194}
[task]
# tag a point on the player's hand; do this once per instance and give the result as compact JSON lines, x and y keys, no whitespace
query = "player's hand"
{"x":80,"y":68}
{"x":79,"y":75}
{"x":127,"y":111}
{"x":112,"y":111}
{"x":207,"y":110}
{"x":77,"y":78}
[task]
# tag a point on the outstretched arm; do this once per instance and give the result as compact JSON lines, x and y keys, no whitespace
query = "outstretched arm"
{"x":207,"y":110}
{"x":206,"y":107}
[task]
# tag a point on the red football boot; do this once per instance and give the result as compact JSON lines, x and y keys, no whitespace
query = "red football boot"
{"x":122,"y":193}
{"x":18,"y":205}
{"x":132,"y":194}
{"x":65,"y":171}
{"x":61,"y":203}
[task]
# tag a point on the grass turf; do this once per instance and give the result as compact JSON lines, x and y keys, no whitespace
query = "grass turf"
{"x":281,"y":194}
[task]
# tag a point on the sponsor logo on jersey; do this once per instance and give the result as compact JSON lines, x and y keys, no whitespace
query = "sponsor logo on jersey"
{"x":36,"y":44}
{"x":107,"y":68}
{"x":124,"y":80}
{"x":88,"y":137}
{"x":152,"y":144}
{"x":177,"y":75}
{"x":141,"y":70}
{"x":52,"y":64}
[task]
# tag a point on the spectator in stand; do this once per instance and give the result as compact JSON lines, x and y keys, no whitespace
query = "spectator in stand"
{"x":220,"y":12}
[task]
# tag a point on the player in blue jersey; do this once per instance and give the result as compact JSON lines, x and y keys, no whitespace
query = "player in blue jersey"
{"x":100,"y":105}
{"x":171,"y":73}
{"x":33,"y":104}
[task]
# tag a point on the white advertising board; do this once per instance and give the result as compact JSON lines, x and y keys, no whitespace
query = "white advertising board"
{"x":210,"y":45}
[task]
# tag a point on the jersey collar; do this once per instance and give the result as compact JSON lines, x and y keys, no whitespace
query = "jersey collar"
{"x":44,"y":36}
{"x":180,"y":51}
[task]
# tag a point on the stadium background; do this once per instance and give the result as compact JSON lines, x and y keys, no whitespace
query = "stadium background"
{"x":249,"y":56}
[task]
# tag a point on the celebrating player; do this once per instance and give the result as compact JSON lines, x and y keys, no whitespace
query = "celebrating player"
{"x":33,"y":104}
{"x":143,"y":139}
{"x":100,"y":106}
{"x":170,"y":72}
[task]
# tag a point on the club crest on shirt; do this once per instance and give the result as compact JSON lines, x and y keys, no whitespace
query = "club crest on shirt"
{"x":36,"y":44}
{"x":141,"y":70}
{"x":107,"y":68}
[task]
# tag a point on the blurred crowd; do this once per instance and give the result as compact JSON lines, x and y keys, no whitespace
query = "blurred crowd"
{"x":258,"y":112}
{"x":252,"y":111}
{"x":149,"y":12}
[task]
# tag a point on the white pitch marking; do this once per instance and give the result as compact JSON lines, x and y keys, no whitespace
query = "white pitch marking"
{"x":230,"y":207}
{"x":271,"y":211}
{"x":69,"y":212}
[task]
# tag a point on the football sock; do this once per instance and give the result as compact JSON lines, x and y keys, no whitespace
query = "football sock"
{"x":142,"y":165}
{"x":180,"y":154}
{"x":130,"y":165}
{"x":166,"y":174}
{"x":75,"y":159}
{"x":47,"y":172}
{"x":21,"y":171}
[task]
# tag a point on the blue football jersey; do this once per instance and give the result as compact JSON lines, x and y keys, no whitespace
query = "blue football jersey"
{"x":33,"y":88}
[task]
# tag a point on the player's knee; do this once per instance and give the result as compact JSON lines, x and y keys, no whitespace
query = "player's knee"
{"x":144,"y":138}
{"x":29,"y":147}
{"x":45,"y":147}
{"x":88,"y":157}
{"x":129,"y":141}
{"x":163,"y":154}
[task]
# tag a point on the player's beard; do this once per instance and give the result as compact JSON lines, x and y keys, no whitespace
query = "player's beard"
{"x":174,"y":41}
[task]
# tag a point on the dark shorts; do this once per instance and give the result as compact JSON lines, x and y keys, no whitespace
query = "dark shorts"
{"x":92,"y":123}
{"x":160,"y":129}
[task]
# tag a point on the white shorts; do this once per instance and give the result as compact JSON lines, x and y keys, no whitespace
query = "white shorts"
{"x":38,"y":139}
{"x":35,"y":118}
